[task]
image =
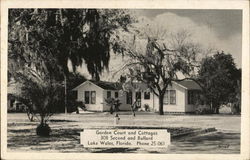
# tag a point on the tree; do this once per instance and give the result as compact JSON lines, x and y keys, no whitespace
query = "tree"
{"x":235,"y":97}
{"x":128,"y":86}
{"x":75,"y":34}
{"x":78,"y":35}
{"x":220,"y":80}
{"x":41,"y":93}
{"x":159,"y":66}
{"x":73,"y":79}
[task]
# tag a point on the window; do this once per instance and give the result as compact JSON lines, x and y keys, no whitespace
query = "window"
{"x":169,"y":97}
{"x":146,"y":95}
{"x":86,"y":97}
{"x":108,"y":94}
{"x":172,"y":97}
{"x":90,"y":97}
{"x":93,"y":97}
{"x":116,"y":94}
{"x":165,"y":99}
{"x":129,"y":97}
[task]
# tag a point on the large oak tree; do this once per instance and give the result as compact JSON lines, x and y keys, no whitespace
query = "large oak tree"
{"x":161,"y":63}
{"x":44,"y":40}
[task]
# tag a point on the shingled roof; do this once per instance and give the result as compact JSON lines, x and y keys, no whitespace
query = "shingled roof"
{"x":108,"y":85}
{"x":188,"y":84}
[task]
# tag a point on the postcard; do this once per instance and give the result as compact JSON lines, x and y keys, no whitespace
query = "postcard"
{"x":124,"y":79}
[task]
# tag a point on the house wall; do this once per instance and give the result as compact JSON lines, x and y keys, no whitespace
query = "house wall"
{"x":14,"y":105}
{"x":180,"y":100}
{"x":121,"y":97}
{"x":88,"y":86}
{"x":104,"y":96}
{"x":101,"y":94}
{"x":126,"y":106}
{"x":188,"y":107}
{"x":150,"y":101}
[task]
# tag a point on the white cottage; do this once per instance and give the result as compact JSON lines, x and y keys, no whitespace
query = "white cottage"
{"x":180,"y":97}
{"x":93,"y":95}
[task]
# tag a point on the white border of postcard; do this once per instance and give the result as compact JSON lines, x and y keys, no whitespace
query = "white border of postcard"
{"x":156,"y":4}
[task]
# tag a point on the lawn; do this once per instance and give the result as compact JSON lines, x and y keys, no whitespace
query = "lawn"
{"x":65,"y":136}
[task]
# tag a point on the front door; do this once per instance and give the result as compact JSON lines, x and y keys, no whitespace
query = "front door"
{"x":138,"y":99}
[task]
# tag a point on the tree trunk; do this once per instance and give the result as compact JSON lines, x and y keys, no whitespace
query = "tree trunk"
{"x":77,"y":110}
{"x":65,"y":93}
{"x":216,"y":108}
{"x":42,"y":120}
{"x":161,"y":112}
{"x":96,"y":76}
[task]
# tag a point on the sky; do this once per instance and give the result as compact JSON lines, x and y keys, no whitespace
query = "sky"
{"x":216,"y":29}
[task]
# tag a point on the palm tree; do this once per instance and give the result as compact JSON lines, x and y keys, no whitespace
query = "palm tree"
{"x":43,"y":93}
{"x":114,"y":104}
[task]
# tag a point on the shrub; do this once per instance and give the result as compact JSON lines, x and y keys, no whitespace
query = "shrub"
{"x":43,"y":129}
{"x":146,"y":107}
{"x":75,"y":105}
{"x":114,"y":104}
{"x":81,"y":105}
{"x":203,"y":110}
{"x":235,"y":108}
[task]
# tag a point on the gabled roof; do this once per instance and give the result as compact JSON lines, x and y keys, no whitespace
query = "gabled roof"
{"x":108,"y":85}
{"x":189,"y":84}
{"x":136,"y":86}
{"x":103,"y":84}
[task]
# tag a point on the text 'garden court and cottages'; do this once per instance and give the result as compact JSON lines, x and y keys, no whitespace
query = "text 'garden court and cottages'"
{"x":129,"y":138}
